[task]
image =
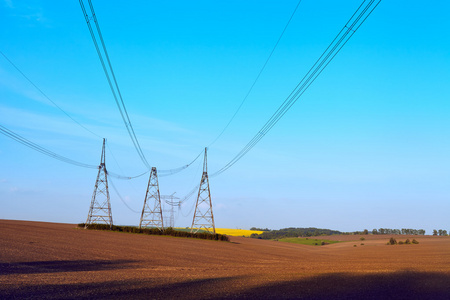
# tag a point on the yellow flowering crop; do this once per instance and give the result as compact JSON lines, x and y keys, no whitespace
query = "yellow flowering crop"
{"x":237,"y":232}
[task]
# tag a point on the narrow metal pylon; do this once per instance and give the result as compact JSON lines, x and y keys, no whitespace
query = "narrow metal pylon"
{"x":152,"y":212}
{"x":203,"y":214}
{"x":100,"y":210}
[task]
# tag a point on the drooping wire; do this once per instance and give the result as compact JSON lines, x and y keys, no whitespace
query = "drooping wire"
{"x":116,"y":91}
{"x":63,"y":111}
{"x":69,"y":116}
{"x":257,"y":77}
{"x":190,"y":211}
{"x":120,"y":197}
{"x":114,"y":88}
{"x":46,"y":97}
{"x":163,"y":173}
{"x":123,"y":177}
{"x":5,"y":131}
{"x":362,"y":13}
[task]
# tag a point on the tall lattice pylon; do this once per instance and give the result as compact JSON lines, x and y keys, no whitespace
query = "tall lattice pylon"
{"x":203,"y":214}
{"x":152,"y":212}
{"x":100,"y":210}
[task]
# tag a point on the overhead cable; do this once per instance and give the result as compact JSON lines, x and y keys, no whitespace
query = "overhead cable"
{"x":5,"y":131}
{"x":109,"y":73}
{"x":62,"y":110}
{"x":257,"y":77}
{"x":121,"y":199}
{"x":357,"y":19}
{"x":163,"y":173}
{"x":46,"y":97}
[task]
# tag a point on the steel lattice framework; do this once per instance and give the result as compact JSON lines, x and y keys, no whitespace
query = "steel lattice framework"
{"x":152,"y":212}
{"x":169,"y":201}
{"x":203,"y":214}
{"x":100,"y":210}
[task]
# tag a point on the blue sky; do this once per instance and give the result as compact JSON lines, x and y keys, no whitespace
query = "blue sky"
{"x":365,"y":147}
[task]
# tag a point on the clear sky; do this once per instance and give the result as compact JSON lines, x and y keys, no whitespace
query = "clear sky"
{"x":367,"y":146}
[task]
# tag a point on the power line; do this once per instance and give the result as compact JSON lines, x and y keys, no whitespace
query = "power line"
{"x":114,"y":88}
{"x":18,"y":138}
{"x":353,"y":24}
{"x":257,"y":77}
{"x":45,"y":95}
{"x":164,"y":173}
{"x":117,"y":163}
{"x":63,"y":111}
{"x":120,"y":197}
{"x":116,"y":91}
{"x":5,"y":131}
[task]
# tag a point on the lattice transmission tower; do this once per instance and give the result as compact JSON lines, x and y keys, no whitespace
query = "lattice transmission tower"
{"x":203,"y":214}
{"x":100,"y":210}
{"x":152,"y":212}
{"x":169,"y":201}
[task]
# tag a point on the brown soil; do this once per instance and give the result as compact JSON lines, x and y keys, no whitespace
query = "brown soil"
{"x":58,"y":261}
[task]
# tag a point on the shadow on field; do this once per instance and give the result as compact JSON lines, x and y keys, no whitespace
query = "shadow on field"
{"x":398,"y":285}
{"x":37,"y":267}
{"x":127,"y":289}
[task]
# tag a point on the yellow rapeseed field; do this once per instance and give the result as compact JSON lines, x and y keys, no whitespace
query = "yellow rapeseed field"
{"x":237,"y":232}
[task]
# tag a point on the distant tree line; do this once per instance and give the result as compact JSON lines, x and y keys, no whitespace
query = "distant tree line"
{"x":259,"y":229}
{"x":440,"y":232}
{"x":292,"y":232}
{"x":407,"y":231}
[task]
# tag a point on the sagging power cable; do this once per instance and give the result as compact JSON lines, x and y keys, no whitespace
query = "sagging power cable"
{"x":257,"y":77}
{"x":349,"y":29}
{"x":5,"y":131}
{"x":111,"y":77}
{"x":46,"y":97}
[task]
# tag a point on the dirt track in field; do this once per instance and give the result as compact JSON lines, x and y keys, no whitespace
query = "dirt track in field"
{"x":58,"y":261}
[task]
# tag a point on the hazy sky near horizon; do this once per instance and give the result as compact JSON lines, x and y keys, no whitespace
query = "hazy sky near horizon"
{"x":367,"y":145}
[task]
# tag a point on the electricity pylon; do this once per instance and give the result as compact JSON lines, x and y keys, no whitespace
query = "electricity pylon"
{"x":151,"y":212}
{"x":169,"y":200}
{"x":100,"y":210}
{"x":203,"y":214}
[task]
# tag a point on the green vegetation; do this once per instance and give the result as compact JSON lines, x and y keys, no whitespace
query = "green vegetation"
{"x":393,"y":241}
{"x":440,"y":232}
{"x":293,"y":232}
{"x":156,"y":231}
{"x":405,"y":231}
{"x":311,"y":231}
{"x":306,"y":241}
{"x":259,"y":229}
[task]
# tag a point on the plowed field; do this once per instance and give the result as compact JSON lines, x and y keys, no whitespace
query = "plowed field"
{"x":59,"y":261}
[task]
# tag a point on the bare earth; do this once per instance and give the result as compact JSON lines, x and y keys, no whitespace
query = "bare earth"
{"x":59,"y":261}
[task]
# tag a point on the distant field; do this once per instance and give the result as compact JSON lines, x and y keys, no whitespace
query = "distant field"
{"x":237,"y":232}
{"x":60,"y":261}
{"x":228,"y":231}
{"x":307,"y":241}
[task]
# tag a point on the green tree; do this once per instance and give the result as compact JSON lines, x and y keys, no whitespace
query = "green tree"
{"x":435,"y":232}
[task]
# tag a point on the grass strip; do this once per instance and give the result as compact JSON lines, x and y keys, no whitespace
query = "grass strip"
{"x":156,"y":231}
